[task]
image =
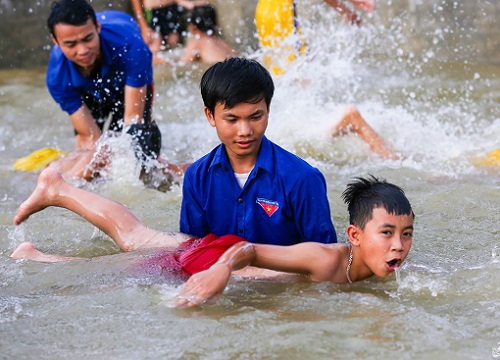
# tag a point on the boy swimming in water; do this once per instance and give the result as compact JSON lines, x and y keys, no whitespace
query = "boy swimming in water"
{"x":380,"y":235}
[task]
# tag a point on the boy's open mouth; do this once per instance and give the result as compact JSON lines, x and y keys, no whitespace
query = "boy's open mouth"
{"x":392,"y":263}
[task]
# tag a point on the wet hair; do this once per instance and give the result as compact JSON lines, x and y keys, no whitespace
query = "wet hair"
{"x":363,"y":195}
{"x":71,"y":12}
{"x":235,"y":81}
{"x":204,"y":18}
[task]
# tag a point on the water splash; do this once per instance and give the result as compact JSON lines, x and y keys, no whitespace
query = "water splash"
{"x":495,"y":259}
{"x":371,"y":68}
{"x":397,"y":271}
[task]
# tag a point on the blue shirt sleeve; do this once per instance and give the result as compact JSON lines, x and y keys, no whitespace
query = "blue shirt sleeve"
{"x":312,"y":210}
{"x":192,"y":219}
{"x":60,"y":82}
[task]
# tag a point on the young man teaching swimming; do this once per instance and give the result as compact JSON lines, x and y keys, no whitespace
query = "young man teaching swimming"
{"x":267,"y":194}
{"x":380,"y":235}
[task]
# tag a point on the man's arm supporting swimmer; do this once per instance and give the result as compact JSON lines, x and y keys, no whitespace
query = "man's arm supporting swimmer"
{"x":312,"y":259}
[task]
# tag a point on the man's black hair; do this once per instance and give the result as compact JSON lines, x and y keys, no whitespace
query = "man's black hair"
{"x":71,"y":12}
{"x":204,"y":17}
{"x":235,"y":81}
{"x":363,"y":195}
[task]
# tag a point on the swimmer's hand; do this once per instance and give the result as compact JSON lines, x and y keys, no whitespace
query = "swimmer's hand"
{"x":206,"y":287}
{"x":364,"y":5}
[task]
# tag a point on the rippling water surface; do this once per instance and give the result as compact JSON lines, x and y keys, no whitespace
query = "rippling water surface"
{"x":445,"y":301}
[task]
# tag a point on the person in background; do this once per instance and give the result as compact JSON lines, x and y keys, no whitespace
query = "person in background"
{"x":205,"y":42}
{"x":161,"y":23}
{"x":100,"y":72}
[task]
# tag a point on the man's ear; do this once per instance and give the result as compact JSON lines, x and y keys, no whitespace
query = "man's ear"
{"x":54,"y":40}
{"x":98,"y":26}
{"x":210,"y":116}
{"x":353,"y":233}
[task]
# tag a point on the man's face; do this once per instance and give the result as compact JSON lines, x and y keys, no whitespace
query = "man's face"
{"x":240,"y":129}
{"x":80,"y":44}
{"x":385,"y":241}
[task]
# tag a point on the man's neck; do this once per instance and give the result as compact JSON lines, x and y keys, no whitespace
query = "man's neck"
{"x":242,"y":164}
{"x":91,"y":71}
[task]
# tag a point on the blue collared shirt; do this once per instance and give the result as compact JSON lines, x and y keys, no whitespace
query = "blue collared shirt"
{"x":283,"y":202}
{"x":126,"y":61}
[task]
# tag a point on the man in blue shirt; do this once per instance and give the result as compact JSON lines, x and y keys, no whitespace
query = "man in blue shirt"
{"x":249,"y":186}
{"x":100,"y":69}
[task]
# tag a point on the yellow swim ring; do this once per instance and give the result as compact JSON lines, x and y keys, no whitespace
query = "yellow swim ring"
{"x":275,"y":21}
{"x":490,"y":159}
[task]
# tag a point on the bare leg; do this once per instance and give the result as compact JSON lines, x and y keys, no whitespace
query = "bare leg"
{"x":155,"y":48}
{"x":112,"y":218}
{"x":352,"y":121}
{"x":28,"y":251}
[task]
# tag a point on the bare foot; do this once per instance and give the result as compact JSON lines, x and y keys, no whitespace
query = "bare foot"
{"x":29,"y":251}
{"x":43,"y":195}
{"x":26,"y":250}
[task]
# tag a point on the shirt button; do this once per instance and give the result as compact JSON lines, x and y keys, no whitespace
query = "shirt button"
{"x":240,"y":200}
{"x":240,"y":230}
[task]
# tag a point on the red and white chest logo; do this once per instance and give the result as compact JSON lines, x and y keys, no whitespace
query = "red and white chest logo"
{"x":270,"y":207}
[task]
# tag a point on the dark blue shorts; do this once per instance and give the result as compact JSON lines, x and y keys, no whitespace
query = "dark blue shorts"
{"x":168,"y":20}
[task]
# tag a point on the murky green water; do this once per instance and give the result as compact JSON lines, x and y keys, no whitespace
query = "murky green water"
{"x":445,"y":304}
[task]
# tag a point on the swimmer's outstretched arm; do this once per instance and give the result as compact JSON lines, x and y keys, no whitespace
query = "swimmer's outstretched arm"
{"x":349,"y":15}
{"x":364,"y":5}
{"x":317,"y":261}
{"x":352,"y":121}
{"x":114,"y":219}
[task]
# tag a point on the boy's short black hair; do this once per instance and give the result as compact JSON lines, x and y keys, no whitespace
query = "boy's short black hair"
{"x":235,"y":81}
{"x":363,"y":195}
{"x":204,"y":17}
{"x":71,"y":12}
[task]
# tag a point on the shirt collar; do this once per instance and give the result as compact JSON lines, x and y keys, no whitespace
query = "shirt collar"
{"x":264,"y":159}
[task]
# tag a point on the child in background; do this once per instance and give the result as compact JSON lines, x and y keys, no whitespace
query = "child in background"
{"x":205,"y":43}
{"x":161,"y":23}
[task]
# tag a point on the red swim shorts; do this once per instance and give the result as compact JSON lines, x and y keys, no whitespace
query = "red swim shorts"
{"x":205,"y":252}
{"x":193,"y":255}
